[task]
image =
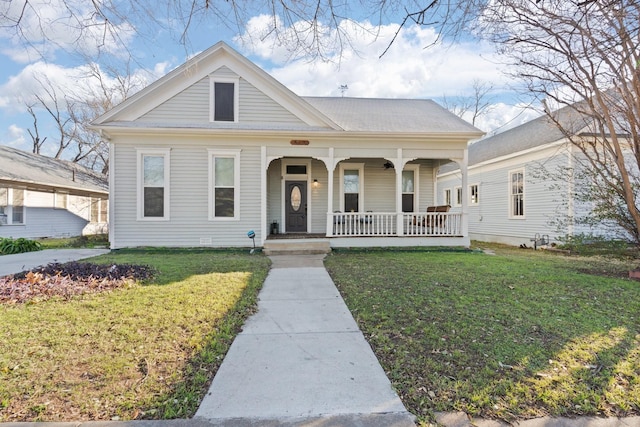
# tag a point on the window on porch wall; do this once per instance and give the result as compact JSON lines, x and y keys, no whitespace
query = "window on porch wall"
{"x":351,"y":190}
{"x":408,"y":191}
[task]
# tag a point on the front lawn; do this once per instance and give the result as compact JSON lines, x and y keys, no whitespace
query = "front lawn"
{"x":514,"y":335}
{"x":144,"y":351}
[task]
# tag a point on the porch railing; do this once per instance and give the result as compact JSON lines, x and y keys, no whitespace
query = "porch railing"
{"x":379,"y":224}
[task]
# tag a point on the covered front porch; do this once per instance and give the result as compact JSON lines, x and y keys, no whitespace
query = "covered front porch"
{"x":372,"y":198}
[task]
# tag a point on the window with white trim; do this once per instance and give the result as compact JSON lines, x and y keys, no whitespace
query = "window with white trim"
{"x":224,"y":99}
{"x":351,"y":177}
{"x":474,"y":194}
{"x":224,"y":184}
{"x":153,"y":184}
{"x":458,"y":191}
{"x":516,"y":194}
{"x":447,"y":196}
{"x":410,"y":182}
{"x":11,"y":206}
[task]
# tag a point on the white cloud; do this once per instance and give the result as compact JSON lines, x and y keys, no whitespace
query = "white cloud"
{"x":416,"y":65}
{"x":14,"y":136}
{"x":407,"y":70}
{"x":66,"y":82}
{"x":503,"y":116}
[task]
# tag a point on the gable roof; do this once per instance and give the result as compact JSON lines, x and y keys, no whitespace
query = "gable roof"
{"x":390,"y":115}
{"x":42,"y":173}
{"x":321,"y":114}
{"x":197,"y":68}
{"x":534,"y":133}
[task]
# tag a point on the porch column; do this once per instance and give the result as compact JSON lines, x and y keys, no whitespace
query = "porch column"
{"x":399,"y":213}
{"x":330,"y":165}
{"x":399,"y":166}
{"x":263,"y":194}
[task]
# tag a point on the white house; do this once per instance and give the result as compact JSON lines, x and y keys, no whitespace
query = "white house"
{"x":519,"y":187}
{"x":45,"y":197}
{"x":218,"y":148}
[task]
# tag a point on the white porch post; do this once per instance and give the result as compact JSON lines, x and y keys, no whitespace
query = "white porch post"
{"x":263,"y":194}
{"x":465,"y":196}
{"x":399,"y":166}
{"x":330,"y":164}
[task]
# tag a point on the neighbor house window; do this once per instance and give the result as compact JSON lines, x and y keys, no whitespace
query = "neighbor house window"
{"x":98,"y":210}
{"x":473,"y":194}
{"x":104,"y":210}
{"x":11,"y":206}
{"x":224,"y":184}
{"x":351,"y":175}
{"x":458,"y":196}
{"x":447,"y":196}
{"x":409,"y":188}
{"x":60,"y":200}
{"x":516,"y":192}
{"x":153,"y":184}
{"x":224,"y":100}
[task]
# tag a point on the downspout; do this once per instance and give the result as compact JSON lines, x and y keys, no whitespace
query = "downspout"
{"x":112,"y":202}
{"x":263,"y":194}
{"x":465,"y":196}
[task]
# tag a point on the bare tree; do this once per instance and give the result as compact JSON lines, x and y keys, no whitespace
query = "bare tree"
{"x":583,"y":55}
{"x":71,"y":111}
{"x":473,"y":106}
{"x":35,"y":135}
{"x":313,"y":28}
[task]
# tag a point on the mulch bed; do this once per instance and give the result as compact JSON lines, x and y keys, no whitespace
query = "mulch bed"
{"x":68,"y":280}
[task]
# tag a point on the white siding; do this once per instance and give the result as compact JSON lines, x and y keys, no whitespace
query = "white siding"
{"x":379,"y":186}
{"x":189,"y":106}
{"x":489,"y":220}
{"x":192,"y":105}
{"x":188,"y":224}
{"x":42,"y":220}
{"x":319,"y":203}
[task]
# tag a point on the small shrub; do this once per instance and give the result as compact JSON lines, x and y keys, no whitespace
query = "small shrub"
{"x":10,"y":246}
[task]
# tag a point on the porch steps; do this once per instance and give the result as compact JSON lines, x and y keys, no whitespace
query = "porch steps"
{"x":296,"y":246}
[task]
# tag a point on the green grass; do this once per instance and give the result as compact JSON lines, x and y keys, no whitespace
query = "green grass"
{"x":148,"y":351}
{"x":92,"y":241}
{"x":514,"y":335}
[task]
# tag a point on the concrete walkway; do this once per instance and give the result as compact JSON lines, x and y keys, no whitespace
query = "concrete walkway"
{"x":11,"y":264}
{"x":301,"y":360}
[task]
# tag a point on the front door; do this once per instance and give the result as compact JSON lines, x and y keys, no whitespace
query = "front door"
{"x":296,"y":206}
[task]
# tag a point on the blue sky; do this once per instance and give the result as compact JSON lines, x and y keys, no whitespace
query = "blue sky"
{"x":408,"y":70}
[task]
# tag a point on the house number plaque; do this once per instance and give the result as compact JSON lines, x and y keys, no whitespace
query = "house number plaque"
{"x":299,"y":142}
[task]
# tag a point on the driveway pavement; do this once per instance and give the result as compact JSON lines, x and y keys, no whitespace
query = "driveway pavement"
{"x":11,"y":264}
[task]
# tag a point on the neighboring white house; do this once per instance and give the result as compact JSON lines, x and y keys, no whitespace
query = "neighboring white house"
{"x":44,"y":197}
{"x":217,"y":148}
{"x":518,"y":186}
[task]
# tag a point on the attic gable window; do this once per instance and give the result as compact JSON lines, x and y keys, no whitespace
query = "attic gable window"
{"x":224,"y":100}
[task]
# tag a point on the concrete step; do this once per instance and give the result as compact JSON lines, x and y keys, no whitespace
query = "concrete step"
{"x":296,"y":247}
